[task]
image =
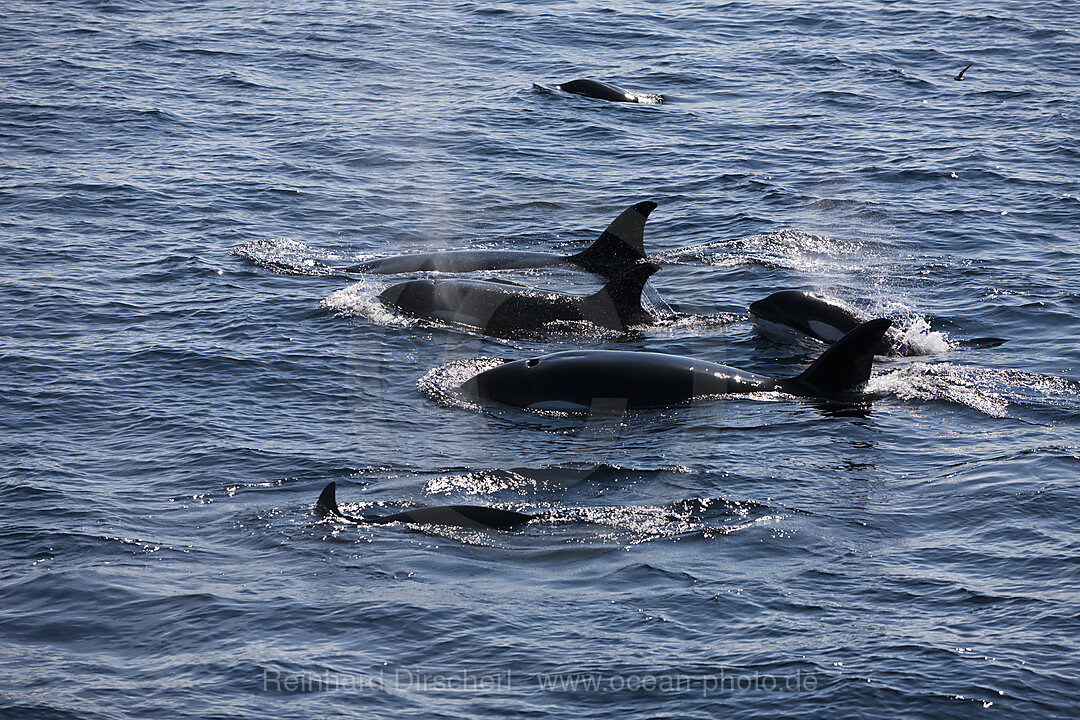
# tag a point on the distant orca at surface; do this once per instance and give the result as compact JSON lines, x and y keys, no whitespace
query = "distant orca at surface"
{"x":787,"y":314}
{"x":620,"y":245}
{"x":476,"y":517}
{"x":507,"y":310}
{"x":615,"y":380}
{"x":603,"y":91}
{"x":795,"y":314}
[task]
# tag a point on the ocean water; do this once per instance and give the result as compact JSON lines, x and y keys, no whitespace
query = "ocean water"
{"x":182,"y":368}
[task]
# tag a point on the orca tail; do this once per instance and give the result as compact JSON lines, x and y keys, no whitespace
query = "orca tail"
{"x":623,"y":242}
{"x":845,"y":366}
{"x":623,"y":294}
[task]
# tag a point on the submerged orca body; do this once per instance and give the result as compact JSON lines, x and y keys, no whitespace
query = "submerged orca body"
{"x":506,"y":310}
{"x":598,"y":90}
{"x":798,"y":315}
{"x":476,"y":517}
{"x":616,"y":380}
{"x":620,"y":245}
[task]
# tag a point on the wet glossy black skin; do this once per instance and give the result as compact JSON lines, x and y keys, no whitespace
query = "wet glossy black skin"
{"x":617,"y":380}
{"x":509,"y":310}
{"x":476,"y":517}
{"x":459,"y":261}
{"x":598,"y":90}
{"x":624,"y":379}
{"x":819,"y":317}
{"x":618,"y":247}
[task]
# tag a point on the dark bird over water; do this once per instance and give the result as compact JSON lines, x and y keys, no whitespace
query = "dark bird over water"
{"x":961,"y":75}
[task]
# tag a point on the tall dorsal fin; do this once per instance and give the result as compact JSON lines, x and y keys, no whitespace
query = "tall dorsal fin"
{"x":327,"y":503}
{"x":845,"y":366}
{"x":623,"y":294}
{"x":621,"y":243}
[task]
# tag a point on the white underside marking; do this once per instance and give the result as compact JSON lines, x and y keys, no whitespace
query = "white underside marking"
{"x":783,"y":333}
{"x":558,"y":406}
{"x":453,"y":318}
{"x":825,"y":331}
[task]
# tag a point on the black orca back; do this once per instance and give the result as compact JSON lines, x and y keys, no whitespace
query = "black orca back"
{"x":598,"y":90}
{"x":475,"y":517}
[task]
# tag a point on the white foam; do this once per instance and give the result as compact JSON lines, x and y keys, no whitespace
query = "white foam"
{"x":943,"y":381}
{"x":443,"y":384}
{"x":788,"y":249}
{"x":989,"y":391}
{"x":361,"y":300}
{"x":918,"y":336}
{"x":289,"y":256}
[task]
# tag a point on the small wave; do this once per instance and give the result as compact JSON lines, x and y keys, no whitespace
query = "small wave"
{"x":635,"y":524}
{"x":557,"y":330}
{"x":442,"y":384}
{"x":242,"y":81}
{"x":988,"y":391}
{"x":648,"y":98}
{"x":784,"y":249}
{"x":530,"y":481}
{"x":653,"y":301}
{"x":289,"y":257}
{"x":686,"y":321}
{"x":360,"y":300}
{"x":623,"y":524}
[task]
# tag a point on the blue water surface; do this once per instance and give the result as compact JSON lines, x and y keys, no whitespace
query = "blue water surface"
{"x":182,"y":370}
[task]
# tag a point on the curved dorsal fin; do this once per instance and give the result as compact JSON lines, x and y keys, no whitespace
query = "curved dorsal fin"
{"x":327,"y":503}
{"x":845,"y":365}
{"x":623,"y":294}
{"x":621,"y":243}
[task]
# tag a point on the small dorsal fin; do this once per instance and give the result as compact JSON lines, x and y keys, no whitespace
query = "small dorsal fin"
{"x":466,"y":516}
{"x":624,"y":293}
{"x":845,"y":366}
{"x":621,"y":243}
{"x":327,"y":505}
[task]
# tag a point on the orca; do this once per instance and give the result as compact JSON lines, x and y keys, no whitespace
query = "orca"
{"x":617,"y":380}
{"x":798,"y":315}
{"x":508,"y":310}
{"x":621,"y":244}
{"x":601,"y":91}
{"x":476,"y":517}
